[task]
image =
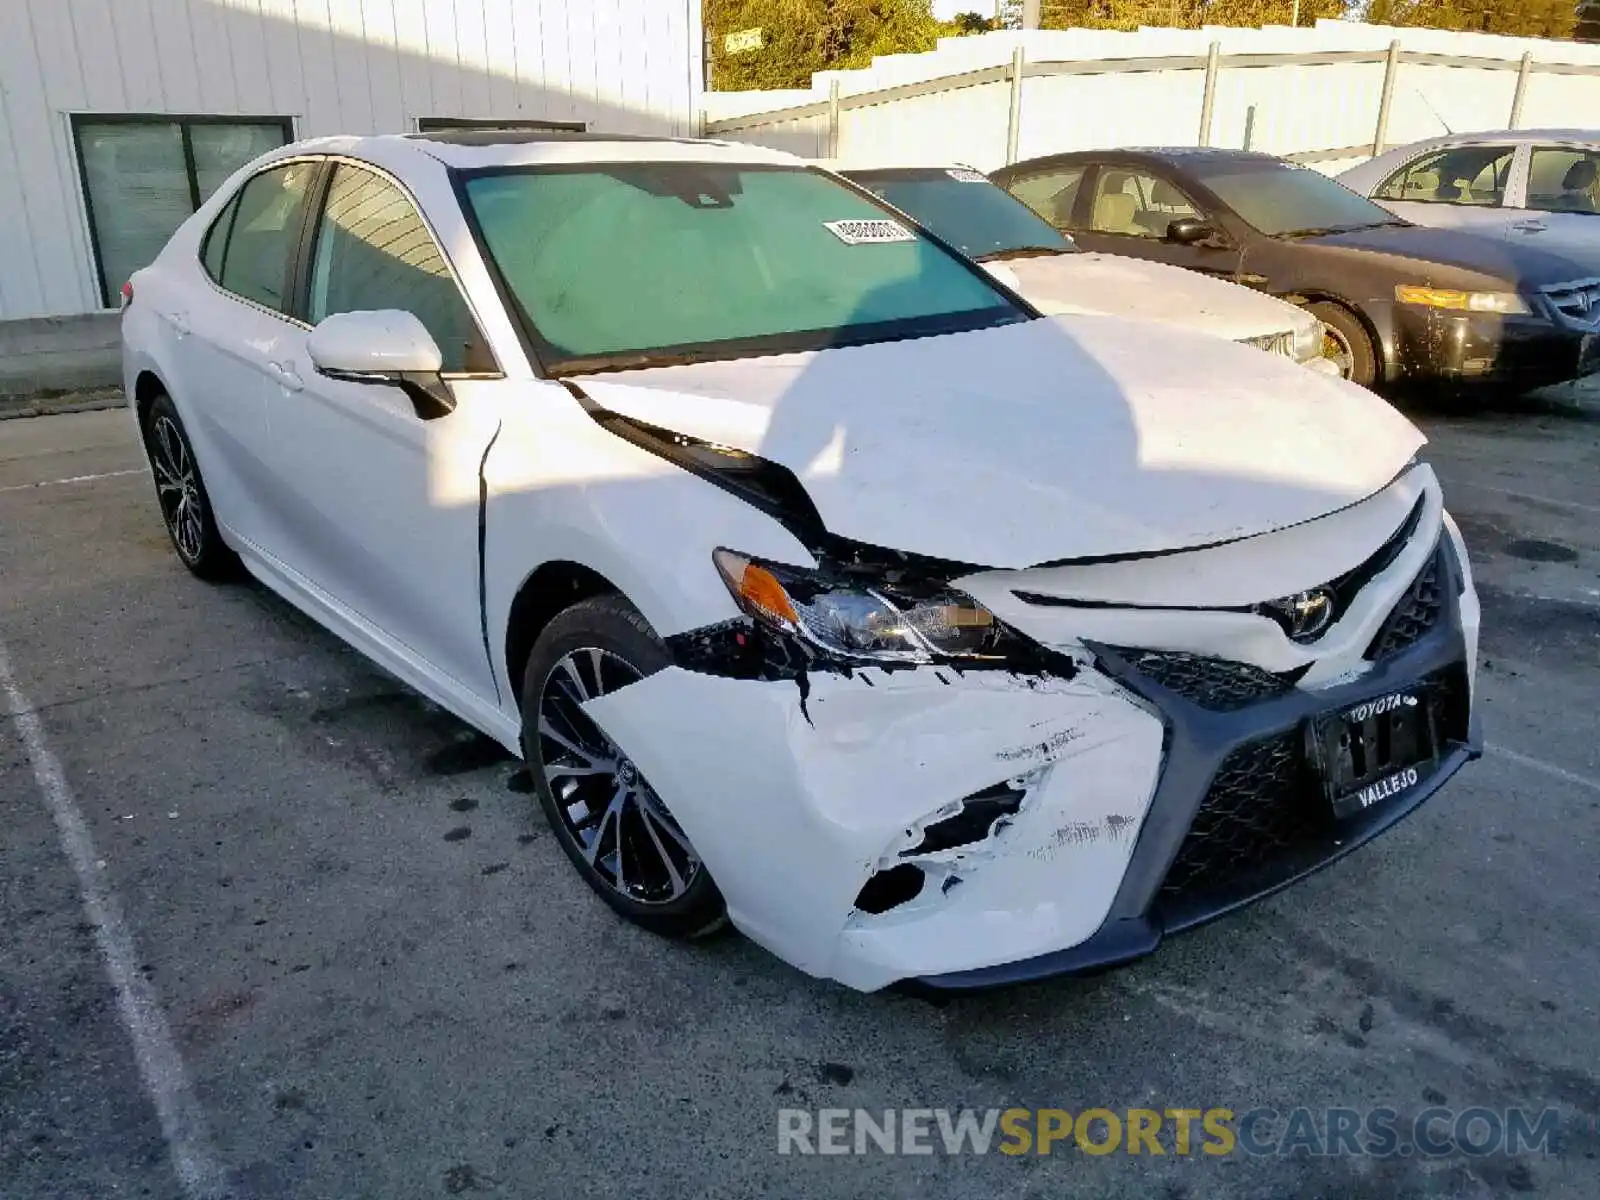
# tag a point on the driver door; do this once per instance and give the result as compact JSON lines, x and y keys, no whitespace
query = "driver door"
{"x":1127,"y":210}
{"x":385,"y":504}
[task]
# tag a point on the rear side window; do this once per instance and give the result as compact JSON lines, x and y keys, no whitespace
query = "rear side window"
{"x":1051,"y":194}
{"x":1564,"y":179}
{"x":374,"y":252}
{"x":263,"y":235}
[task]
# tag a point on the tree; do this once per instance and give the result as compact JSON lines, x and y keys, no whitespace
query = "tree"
{"x":1588,"y":21}
{"x":1519,"y":18}
{"x":800,"y":37}
{"x":970,"y":22}
{"x":1183,"y":14}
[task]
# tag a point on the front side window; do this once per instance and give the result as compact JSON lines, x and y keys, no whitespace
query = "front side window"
{"x":263,"y":233}
{"x":1052,"y":194}
{"x":627,"y":263}
{"x":1564,"y":179}
{"x":1136,"y":204}
{"x":145,"y":176}
{"x":1282,"y":199}
{"x":966,"y":210}
{"x":1460,"y":175}
{"x":374,"y":252}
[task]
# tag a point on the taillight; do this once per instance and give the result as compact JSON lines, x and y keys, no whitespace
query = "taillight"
{"x":127,"y":293}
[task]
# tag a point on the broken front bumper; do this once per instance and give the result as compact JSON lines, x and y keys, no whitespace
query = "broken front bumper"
{"x":1054,"y":825}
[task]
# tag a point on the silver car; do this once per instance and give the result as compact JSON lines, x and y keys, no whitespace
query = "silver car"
{"x":1539,"y":186}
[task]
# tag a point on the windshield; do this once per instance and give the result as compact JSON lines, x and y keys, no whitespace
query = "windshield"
{"x":966,"y":210}
{"x":1283,"y":199}
{"x":632,"y":264}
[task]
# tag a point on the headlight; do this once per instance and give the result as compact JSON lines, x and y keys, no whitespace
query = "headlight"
{"x":1504,"y":303}
{"x":1308,"y":341}
{"x":856,"y":622}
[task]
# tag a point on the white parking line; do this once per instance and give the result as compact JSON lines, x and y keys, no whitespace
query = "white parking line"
{"x":28,"y":487}
{"x":1538,"y":764}
{"x":160,"y":1065}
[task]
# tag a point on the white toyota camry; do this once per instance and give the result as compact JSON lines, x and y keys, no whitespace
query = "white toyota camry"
{"x":823,"y":584}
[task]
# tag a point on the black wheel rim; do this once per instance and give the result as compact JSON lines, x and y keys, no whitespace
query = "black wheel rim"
{"x":621,"y":827}
{"x":178,"y":486}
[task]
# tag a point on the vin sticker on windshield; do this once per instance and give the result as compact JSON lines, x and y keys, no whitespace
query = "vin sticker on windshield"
{"x":967,"y":175}
{"x":865,"y":233}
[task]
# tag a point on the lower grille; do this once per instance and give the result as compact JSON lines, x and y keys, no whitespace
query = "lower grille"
{"x":1414,"y":614}
{"x":1262,"y":805}
{"x":1214,"y":683}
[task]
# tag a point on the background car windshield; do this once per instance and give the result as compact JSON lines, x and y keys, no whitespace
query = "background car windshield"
{"x":966,"y":210}
{"x":622,"y":260}
{"x":1278,"y":197}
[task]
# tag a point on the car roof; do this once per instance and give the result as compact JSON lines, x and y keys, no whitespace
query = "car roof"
{"x":470,"y":149}
{"x":1175,"y":155}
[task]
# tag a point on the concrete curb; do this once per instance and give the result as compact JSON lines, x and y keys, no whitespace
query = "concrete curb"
{"x":65,"y":402}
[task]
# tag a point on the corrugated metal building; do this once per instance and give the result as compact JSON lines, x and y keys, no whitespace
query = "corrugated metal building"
{"x":118,"y":117}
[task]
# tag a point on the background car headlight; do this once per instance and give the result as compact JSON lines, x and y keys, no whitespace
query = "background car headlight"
{"x":1505,"y":303}
{"x":852,"y":621}
{"x":1308,"y":341}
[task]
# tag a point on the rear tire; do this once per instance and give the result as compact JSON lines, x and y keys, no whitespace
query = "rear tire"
{"x":1347,"y":342}
{"x":181,"y":494}
{"x":615,"y":829}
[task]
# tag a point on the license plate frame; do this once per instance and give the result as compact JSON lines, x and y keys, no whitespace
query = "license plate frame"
{"x":1369,"y":753}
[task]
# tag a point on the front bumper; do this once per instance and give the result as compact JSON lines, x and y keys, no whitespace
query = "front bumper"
{"x":803,"y":795}
{"x":1463,"y":348}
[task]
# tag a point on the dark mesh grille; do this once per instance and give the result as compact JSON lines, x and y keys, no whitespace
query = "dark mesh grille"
{"x":1260,"y":807}
{"x":1416,"y":612}
{"x":1213,"y":683}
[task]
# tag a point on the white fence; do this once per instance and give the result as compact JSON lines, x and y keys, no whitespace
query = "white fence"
{"x":1332,"y":94}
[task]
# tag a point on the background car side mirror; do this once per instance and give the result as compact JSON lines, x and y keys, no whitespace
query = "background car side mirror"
{"x":387,"y":347}
{"x":1190,"y":231}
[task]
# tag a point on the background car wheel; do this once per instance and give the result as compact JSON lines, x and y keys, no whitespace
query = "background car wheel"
{"x":181,"y":493}
{"x":1347,"y":343}
{"x":608,"y":819}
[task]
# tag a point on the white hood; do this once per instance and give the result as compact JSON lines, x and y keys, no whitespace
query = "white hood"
{"x":1110,"y":285}
{"x":1052,"y":439}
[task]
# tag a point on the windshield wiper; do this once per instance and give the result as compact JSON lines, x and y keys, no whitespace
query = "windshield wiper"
{"x":1323,"y":230}
{"x":1023,"y":252}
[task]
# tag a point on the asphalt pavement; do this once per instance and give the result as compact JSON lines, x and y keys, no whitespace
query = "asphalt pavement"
{"x":311,"y":939}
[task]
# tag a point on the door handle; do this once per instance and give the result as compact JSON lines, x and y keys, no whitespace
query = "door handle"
{"x":1530,"y":227}
{"x":286,"y":376}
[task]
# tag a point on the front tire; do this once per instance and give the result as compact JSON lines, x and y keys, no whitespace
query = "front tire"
{"x":181,"y":493}
{"x":1347,"y":342}
{"x":608,"y":819}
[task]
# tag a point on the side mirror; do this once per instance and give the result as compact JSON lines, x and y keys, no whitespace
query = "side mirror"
{"x":388,"y":347}
{"x":1190,"y":231}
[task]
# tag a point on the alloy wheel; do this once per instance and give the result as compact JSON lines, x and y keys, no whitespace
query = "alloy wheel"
{"x":178,"y":486}
{"x":623,"y":830}
{"x":1336,"y":347}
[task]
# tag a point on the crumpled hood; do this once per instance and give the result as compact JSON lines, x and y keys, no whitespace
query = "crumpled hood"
{"x":1116,"y":286}
{"x":1061,"y":438}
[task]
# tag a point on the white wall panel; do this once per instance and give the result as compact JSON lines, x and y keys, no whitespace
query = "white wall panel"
{"x":333,"y":66}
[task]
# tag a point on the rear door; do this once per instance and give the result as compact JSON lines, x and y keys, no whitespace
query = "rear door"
{"x":381,"y":507}
{"x":1561,"y":202}
{"x":230,"y":327}
{"x":1459,"y":187}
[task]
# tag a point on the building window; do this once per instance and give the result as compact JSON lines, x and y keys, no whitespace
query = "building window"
{"x":447,"y":124}
{"x":143,"y":176}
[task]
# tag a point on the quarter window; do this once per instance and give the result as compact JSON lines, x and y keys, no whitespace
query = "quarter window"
{"x":374,"y":252}
{"x":1472,"y":175}
{"x":260,"y":231}
{"x":144,"y":176}
{"x":1052,"y":194}
{"x":1564,"y":179}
